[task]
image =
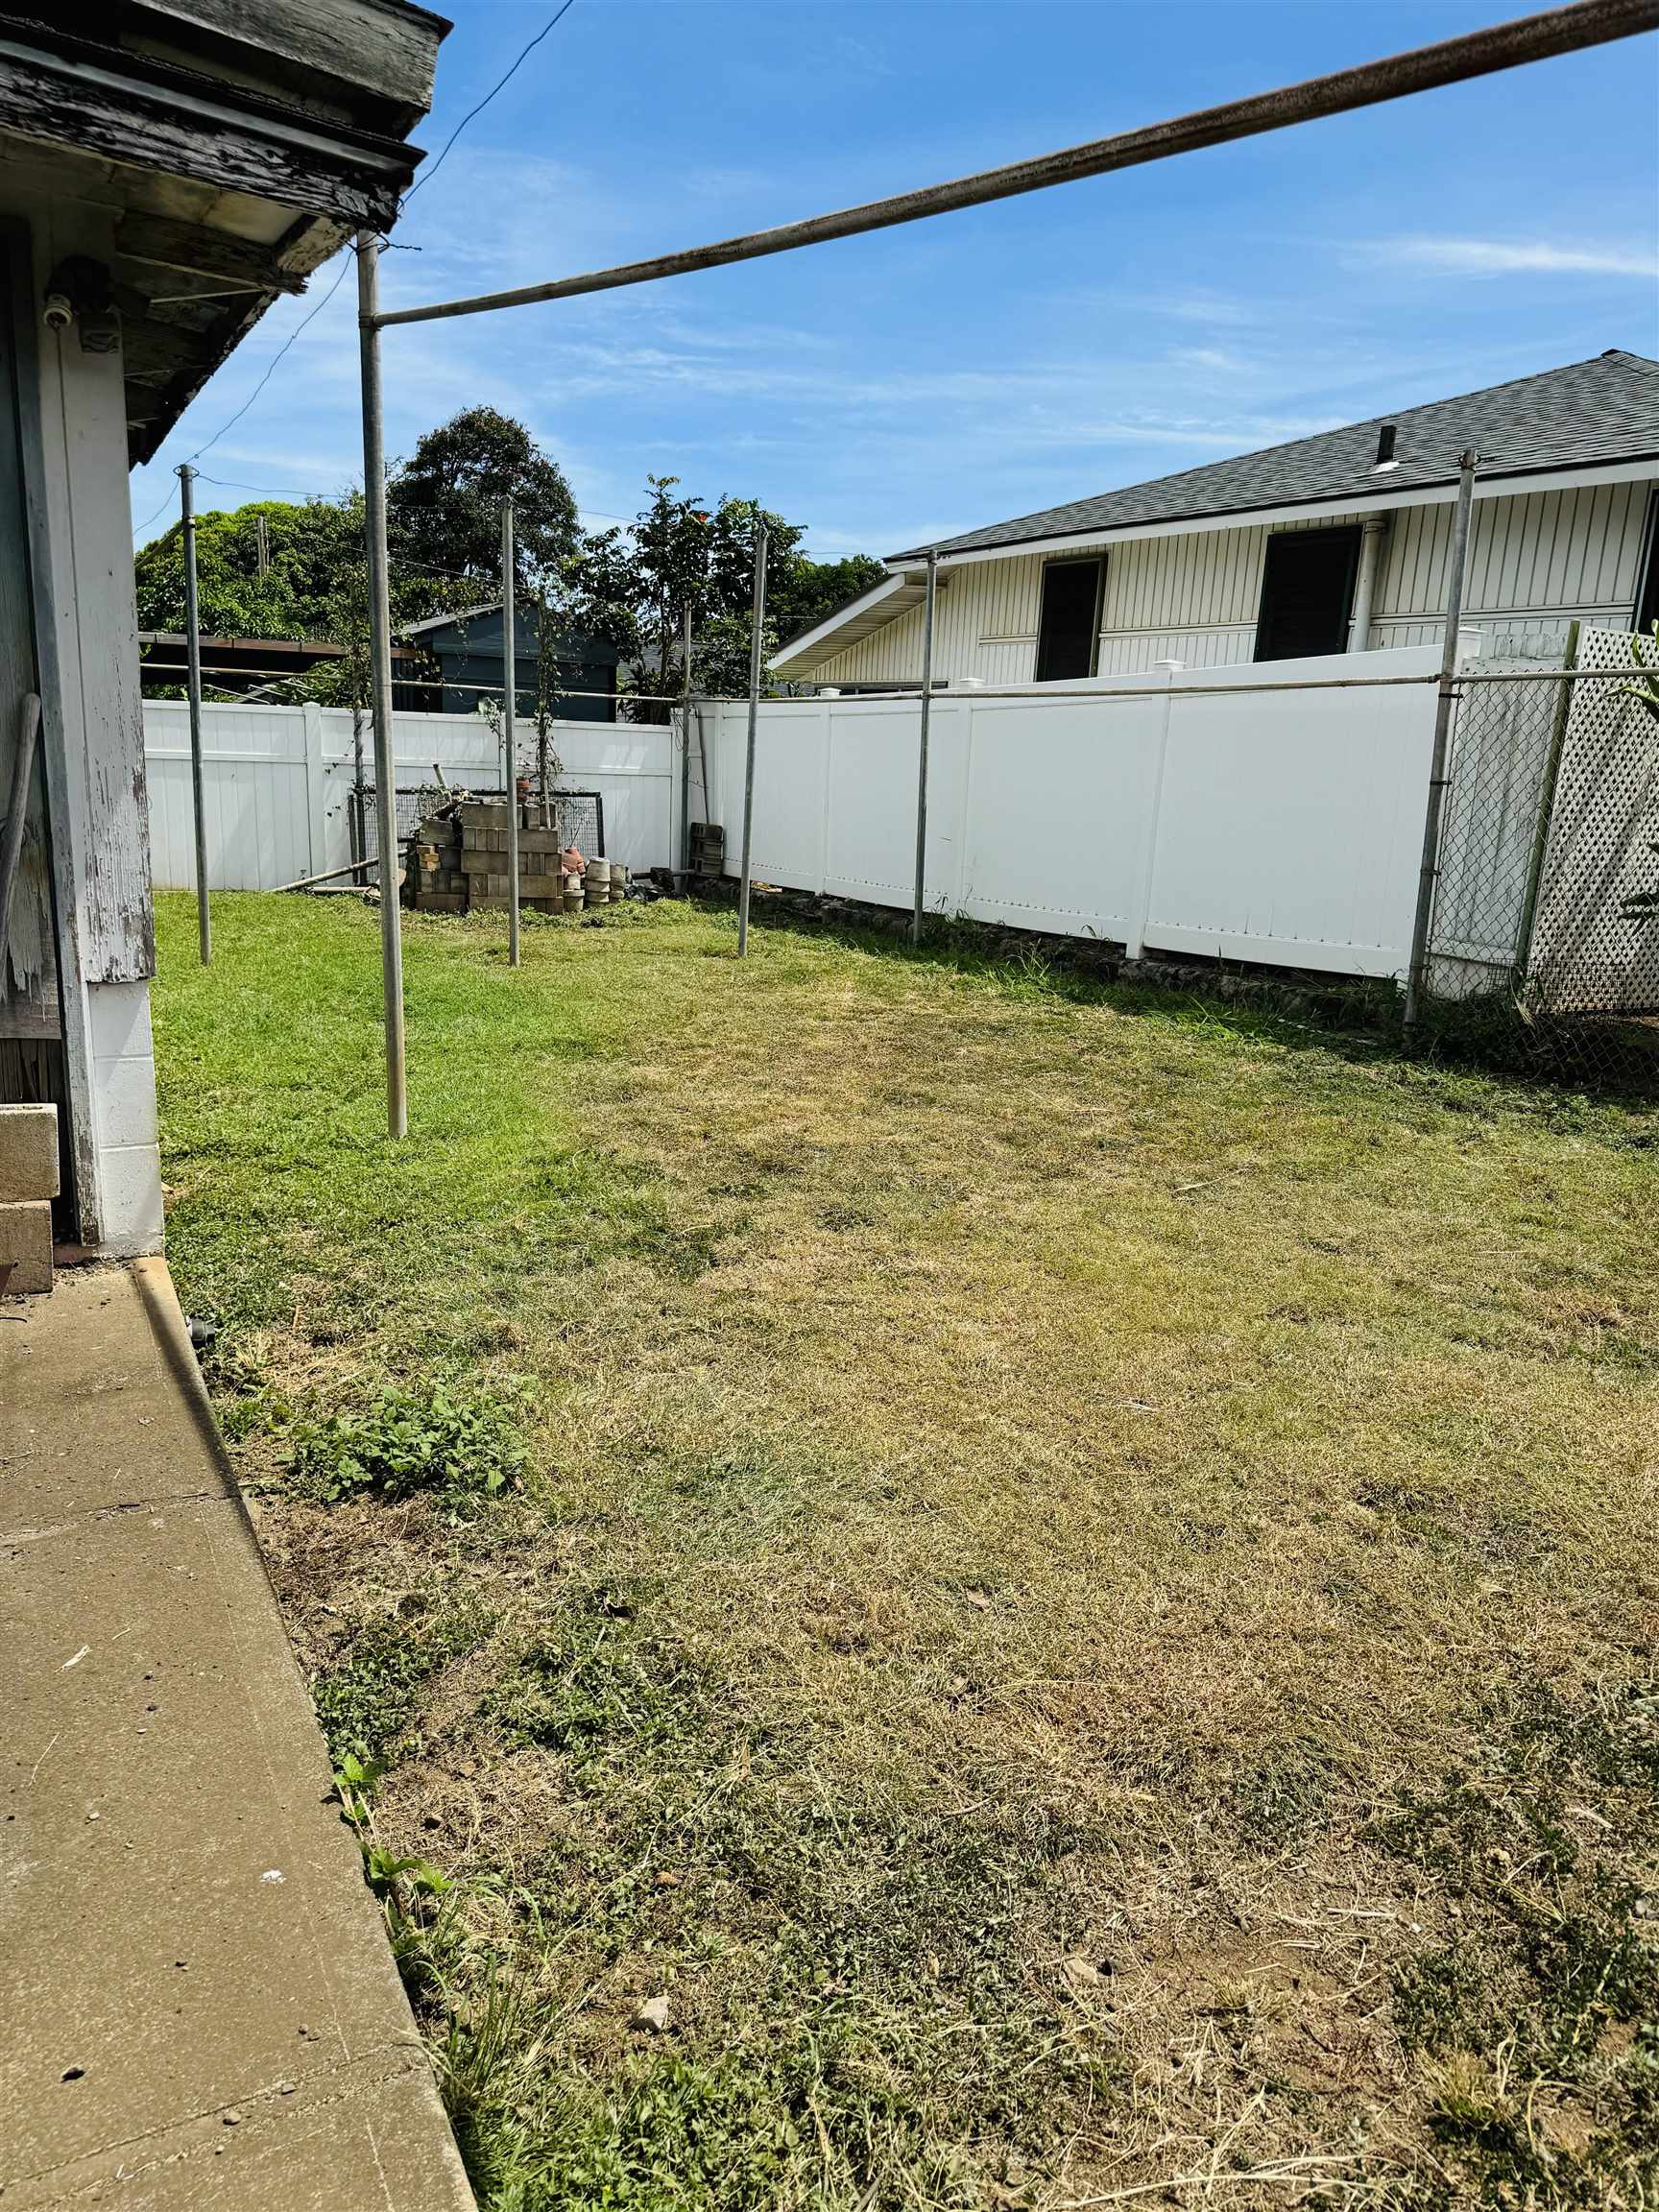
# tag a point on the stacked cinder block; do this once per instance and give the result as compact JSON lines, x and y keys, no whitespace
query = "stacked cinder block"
{"x":484,"y":859}
{"x":436,"y":878}
{"x":458,"y":861}
{"x":28,"y":1186}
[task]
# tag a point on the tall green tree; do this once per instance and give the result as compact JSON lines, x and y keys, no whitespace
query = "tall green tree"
{"x":444,"y":504}
{"x":315,"y":585}
{"x":635,"y":587}
{"x":306,"y":549}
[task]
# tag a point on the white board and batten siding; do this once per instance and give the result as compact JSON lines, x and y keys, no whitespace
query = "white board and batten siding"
{"x":277,"y":784}
{"x":1536,"y":563}
{"x":1205,"y":812}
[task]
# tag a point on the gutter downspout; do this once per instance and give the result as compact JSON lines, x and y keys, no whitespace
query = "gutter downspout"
{"x":1366,"y":583}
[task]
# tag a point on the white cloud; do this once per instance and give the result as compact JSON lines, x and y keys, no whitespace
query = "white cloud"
{"x":1527,"y":256}
{"x":1214,"y":357}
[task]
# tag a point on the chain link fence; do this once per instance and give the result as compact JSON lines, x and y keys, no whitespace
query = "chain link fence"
{"x":1544,"y":948}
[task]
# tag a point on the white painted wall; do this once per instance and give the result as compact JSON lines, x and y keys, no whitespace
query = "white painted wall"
{"x":1209,"y":811}
{"x":1536,"y":563}
{"x":278,"y":783}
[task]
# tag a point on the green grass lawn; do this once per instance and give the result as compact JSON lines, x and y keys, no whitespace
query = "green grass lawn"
{"x":1070,"y":1578}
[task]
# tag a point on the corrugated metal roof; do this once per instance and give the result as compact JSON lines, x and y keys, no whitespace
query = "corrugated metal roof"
{"x":1604,"y":409}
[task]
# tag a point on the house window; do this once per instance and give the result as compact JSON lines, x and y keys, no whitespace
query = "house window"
{"x":1069,"y":633}
{"x":1648,"y":599}
{"x":1307,"y":592}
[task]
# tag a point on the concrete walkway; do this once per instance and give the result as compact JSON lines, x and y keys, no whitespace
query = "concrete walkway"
{"x":198,"y":2007}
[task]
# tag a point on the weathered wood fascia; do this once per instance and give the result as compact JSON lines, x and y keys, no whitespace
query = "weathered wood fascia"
{"x":385,"y":50}
{"x":151,"y":116}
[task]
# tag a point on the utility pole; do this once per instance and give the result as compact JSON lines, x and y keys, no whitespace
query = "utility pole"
{"x":263,"y":546}
{"x":193,"y":686}
{"x":757,"y":623}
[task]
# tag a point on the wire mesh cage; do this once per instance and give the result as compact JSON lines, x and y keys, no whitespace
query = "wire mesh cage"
{"x":578,"y":816}
{"x":1545,"y":921}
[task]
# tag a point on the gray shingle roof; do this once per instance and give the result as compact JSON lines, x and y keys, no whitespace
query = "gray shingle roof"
{"x":1606,"y":409}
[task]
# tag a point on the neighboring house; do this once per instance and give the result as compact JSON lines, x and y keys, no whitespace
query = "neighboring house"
{"x":1331,"y":544}
{"x":467,"y":647}
{"x":167,"y":169}
{"x":266,"y":667}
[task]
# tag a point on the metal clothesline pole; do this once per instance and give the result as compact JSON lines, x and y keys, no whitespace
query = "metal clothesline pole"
{"x":756,"y":623}
{"x":922,"y":750}
{"x":1499,"y":46}
{"x":380,"y":677}
{"x":193,"y":688}
{"x":685,"y":749}
{"x":1428,"y":875}
{"x":509,"y":734}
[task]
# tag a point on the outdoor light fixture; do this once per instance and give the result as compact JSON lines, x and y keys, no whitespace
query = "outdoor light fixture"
{"x":77,"y":291}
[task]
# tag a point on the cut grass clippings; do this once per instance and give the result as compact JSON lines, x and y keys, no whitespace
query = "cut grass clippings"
{"x":1077,"y":1621}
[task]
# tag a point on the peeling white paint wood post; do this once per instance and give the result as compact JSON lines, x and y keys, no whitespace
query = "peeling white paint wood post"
{"x":380,"y":677}
{"x":1428,"y":875}
{"x":509,"y":731}
{"x":193,"y":688}
{"x":927,"y":606}
{"x":756,"y":623}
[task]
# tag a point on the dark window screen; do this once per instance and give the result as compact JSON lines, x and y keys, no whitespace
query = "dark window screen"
{"x":1066,"y":635}
{"x":1647,"y":605}
{"x":1306,"y":593}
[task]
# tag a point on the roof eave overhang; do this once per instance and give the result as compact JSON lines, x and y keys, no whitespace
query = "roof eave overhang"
{"x":833,"y":637}
{"x":57,"y":89}
{"x":1384,"y":499}
{"x":870,"y":612}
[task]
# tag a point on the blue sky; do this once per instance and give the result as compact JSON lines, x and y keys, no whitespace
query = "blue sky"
{"x":913,"y":384}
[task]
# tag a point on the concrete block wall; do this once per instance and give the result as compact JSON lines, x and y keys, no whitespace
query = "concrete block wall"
{"x":28,"y":1186}
{"x":124,"y":1115}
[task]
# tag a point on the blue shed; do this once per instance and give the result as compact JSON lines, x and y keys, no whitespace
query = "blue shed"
{"x":466,"y":646}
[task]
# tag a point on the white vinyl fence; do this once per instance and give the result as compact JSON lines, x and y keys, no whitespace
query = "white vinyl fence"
{"x":1216,"y":811}
{"x":278,"y":786}
{"x":1201,"y":810}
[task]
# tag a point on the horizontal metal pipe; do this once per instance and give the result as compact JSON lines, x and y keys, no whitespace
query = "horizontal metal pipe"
{"x":328,"y":876}
{"x":1451,"y":62}
{"x":1574,"y":676}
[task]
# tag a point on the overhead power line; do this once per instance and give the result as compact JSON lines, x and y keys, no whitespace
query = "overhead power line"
{"x":426,"y":175}
{"x":1452,"y":62}
{"x":276,"y":361}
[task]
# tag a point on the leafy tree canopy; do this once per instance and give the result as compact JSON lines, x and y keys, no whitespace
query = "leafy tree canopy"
{"x":444,"y":504}
{"x":635,"y":587}
{"x":273,"y":569}
{"x":307,"y":547}
{"x":315,"y":585}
